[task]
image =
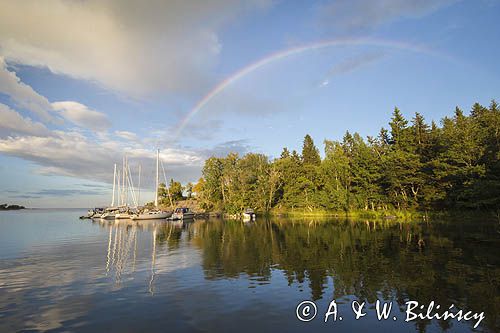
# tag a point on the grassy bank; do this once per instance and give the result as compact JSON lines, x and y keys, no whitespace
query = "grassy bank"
{"x":358,"y":214}
{"x":405,"y":215}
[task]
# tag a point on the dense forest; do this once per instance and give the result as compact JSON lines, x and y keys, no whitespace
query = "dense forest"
{"x":411,"y":165}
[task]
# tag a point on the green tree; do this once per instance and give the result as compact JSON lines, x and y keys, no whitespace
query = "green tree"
{"x":175,"y":189}
{"x":310,"y":154}
{"x":189,"y":190}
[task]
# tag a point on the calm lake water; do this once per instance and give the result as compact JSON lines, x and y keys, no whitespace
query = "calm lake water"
{"x":62,"y":274}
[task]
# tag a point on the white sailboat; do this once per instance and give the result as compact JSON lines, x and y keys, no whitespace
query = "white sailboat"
{"x":156,"y":213}
{"x":124,"y":209}
{"x":109,"y":213}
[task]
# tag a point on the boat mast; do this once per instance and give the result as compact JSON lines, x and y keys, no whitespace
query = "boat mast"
{"x":114,"y":186}
{"x":157,"y":176}
{"x":119,"y":187}
{"x":127,"y":183}
{"x":123,"y":182}
{"x":139,"y":188}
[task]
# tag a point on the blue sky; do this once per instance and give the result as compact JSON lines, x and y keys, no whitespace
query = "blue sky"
{"x":83,"y":83}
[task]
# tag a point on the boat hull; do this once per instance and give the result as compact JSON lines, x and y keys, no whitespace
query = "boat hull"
{"x":248,"y":216}
{"x":151,"y":216}
{"x":185,"y":216}
{"x":108,"y":216}
{"x":122,"y":216}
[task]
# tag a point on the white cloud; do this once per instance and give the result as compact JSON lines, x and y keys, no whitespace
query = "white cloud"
{"x":133,"y":47}
{"x":126,"y":135}
{"x":12,"y":123}
{"x":352,"y":15}
{"x":22,"y":94}
{"x":73,"y":154}
{"x":82,"y":116}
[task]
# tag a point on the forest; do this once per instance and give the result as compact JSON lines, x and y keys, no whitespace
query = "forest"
{"x":410,"y":165}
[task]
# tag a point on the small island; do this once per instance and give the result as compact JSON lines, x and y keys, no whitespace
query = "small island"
{"x":11,"y":207}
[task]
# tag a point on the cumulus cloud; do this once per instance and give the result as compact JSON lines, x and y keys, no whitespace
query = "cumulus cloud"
{"x":22,"y":94}
{"x":354,"y":15}
{"x":12,"y":123}
{"x":73,"y":154}
{"x":160,"y":46}
{"x":82,"y":116}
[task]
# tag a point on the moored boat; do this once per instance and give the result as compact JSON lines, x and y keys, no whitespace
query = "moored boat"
{"x":248,"y":215}
{"x":110,"y":213}
{"x":124,"y":213}
{"x":151,"y":215}
{"x":182,"y":213}
{"x":156,"y":213}
{"x":95,"y":213}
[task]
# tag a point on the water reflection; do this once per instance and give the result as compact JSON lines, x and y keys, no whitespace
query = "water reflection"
{"x":184,"y":275}
{"x":447,"y":263}
{"x":121,"y":253}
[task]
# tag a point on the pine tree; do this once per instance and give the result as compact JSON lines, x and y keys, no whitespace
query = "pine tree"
{"x":310,"y":154}
{"x":285,"y":153}
{"x":399,"y":129}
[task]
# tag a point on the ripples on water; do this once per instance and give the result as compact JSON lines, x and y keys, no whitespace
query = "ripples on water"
{"x":58,"y":273}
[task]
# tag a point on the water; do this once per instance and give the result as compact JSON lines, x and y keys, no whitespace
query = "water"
{"x":62,"y":274}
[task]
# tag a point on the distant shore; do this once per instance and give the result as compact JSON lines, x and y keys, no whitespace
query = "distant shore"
{"x":11,"y":207}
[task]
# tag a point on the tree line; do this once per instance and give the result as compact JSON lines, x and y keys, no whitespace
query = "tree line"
{"x":409,"y":165}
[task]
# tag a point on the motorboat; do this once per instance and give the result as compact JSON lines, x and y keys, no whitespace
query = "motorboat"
{"x":248,"y":215}
{"x":182,"y":213}
{"x":95,"y":213}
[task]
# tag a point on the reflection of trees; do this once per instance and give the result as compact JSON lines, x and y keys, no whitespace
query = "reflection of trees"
{"x":367,"y":260}
{"x":170,"y":235}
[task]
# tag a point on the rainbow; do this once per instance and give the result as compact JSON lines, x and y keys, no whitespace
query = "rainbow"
{"x":282,"y":54}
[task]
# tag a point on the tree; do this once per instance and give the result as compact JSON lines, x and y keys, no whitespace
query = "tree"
{"x":399,"y":130}
{"x":175,"y":189}
{"x":163,"y":195}
{"x":310,"y":154}
{"x":189,"y":190}
{"x":411,"y":166}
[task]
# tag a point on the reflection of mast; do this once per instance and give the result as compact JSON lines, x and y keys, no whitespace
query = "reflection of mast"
{"x":126,"y":239}
{"x":109,"y":245}
{"x":135,"y":249}
{"x":114,"y":247}
{"x":153,"y":258}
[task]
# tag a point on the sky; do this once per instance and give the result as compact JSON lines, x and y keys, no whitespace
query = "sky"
{"x":83,"y":83}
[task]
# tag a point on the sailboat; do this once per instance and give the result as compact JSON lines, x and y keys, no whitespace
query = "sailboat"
{"x":156,"y":213}
{"x":124,"y":210}
{"x":110,"y":212}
